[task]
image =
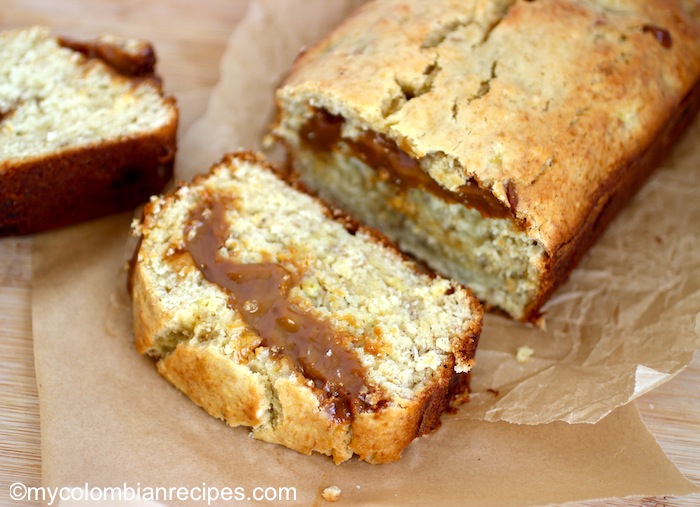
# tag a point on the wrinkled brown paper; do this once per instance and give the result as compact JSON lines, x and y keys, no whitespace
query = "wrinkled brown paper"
{"x":625,"y":322}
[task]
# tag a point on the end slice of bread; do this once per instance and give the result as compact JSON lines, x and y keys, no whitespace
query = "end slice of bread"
{"x":85,"y":129}
{"x":494,"y":139}
{"x":271,"y":310}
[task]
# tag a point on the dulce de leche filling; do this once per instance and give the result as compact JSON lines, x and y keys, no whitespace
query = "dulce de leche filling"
{"x":138,"y":63}
{"x":259,"y":292}
{"x":323,"y":132}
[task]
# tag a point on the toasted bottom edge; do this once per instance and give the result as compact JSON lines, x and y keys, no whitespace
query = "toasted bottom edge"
{"x":294,"y":418}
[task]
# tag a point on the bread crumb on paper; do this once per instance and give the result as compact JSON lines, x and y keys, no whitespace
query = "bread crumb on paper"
{"x":523,"y":354}
{"x":331,"y":494}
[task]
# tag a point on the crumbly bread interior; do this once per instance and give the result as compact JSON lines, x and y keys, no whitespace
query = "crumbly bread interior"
{"x":412,"y":332}
{"x":492,"y":256}
{"x":53,"y":98}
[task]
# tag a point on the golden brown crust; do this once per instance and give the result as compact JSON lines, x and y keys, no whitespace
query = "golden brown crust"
{"x":613,"y":197}
{"x":81,"y":184}
{"x":146,"y":312}
{"x":233,"y":394}
{"x":303,"y":426}
{"x":222,"y":388}
{"x":552,"y":106}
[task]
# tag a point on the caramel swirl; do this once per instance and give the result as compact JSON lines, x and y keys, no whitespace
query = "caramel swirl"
{"x":323,"y":133}
{"x":140,"y":62}
{"x":259,"y":292}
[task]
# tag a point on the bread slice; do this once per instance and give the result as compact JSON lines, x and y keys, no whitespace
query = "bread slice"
{"x":271,"y":310}
{"x":492,"y":139}
{"x":85,"y":129}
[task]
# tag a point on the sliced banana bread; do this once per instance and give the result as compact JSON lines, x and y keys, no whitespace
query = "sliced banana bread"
{"x":271,"y":310}
{"x":85,"y":129}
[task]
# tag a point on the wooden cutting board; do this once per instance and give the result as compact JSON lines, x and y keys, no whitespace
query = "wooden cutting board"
{"x":189,"y":38}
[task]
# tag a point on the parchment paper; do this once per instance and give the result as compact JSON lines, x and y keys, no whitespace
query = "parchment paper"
{"x":108,"y":418}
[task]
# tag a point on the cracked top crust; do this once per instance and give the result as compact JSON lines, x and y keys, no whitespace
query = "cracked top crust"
{"x":544,"y":103}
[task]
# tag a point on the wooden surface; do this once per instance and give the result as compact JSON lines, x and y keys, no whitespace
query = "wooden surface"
{"x":190,"y":38}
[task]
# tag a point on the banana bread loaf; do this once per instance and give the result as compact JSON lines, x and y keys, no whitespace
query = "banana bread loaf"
{"x":494,"y":139}
{"x":271,"y":310}
{"x":84,"y":129}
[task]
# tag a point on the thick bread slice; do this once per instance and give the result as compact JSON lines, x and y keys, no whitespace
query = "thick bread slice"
{"x":271,"y":310}
{"x":494,"y":139}
{"x":84,"y":129}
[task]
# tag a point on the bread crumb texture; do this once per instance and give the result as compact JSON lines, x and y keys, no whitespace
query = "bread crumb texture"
{"x":524,"y":353}
{"x":414,"y":334}
{"x":331,"y":494}
{"x":53,"y":98}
